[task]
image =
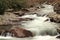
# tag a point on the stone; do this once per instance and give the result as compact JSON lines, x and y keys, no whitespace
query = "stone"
{"x":20,"y":32}
{"x":58,"y":30}
{"x":24,"y":19}
{"x":57,"y":8}
{"x":58,"y":37}
{"x":54,"y":17}
{"x":5,"y":26}
{"x":25,"y":10}
{"x":19,"y":13}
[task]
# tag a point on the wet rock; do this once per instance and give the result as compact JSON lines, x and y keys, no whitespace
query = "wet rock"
{"x":20,"y":32}
{"x":54,"y":17}
{"x":5,"y":26}
{"x":58,"y":30}
{"x":19,"y":14}
{"x":46,"y":20}
{"x":57,"y":8}
{"x":58,"y":37}
{"x":25,"y":10}
{"x":25,"y":19}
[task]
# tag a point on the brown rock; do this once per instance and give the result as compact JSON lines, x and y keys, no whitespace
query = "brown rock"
{"x":19,"y":13}
{"x":57,"y":8}
{"x":25,"y":19}
{"x":54,"y":17}
{"x":20,"y":32}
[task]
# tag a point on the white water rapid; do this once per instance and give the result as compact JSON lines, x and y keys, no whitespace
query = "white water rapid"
{"x":42,"y":29}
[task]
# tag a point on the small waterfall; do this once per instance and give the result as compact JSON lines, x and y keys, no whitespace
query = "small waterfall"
{"x":6,"y":34}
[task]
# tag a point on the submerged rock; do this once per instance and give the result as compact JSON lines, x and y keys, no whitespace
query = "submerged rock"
{"x":20,"y":32}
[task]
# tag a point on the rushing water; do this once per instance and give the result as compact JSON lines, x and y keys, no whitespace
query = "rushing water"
{"x":39,"y":26}
{"x":31,"y":38}
{"x":42,"y":29}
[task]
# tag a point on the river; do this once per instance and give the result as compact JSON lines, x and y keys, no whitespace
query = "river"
{"x":42,"y":29}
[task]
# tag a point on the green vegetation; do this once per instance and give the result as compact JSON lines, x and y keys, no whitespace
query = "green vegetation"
{"x":11,"y":4}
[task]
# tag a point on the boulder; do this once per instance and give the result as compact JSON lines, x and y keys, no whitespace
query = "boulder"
{"x":54,"y":17}
{"x":58,"y":30}
{"x":20,"y":32}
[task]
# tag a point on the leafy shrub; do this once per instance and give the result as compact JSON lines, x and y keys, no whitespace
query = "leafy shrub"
{"x":11,"y":4}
